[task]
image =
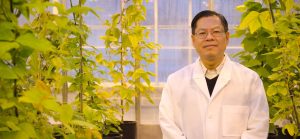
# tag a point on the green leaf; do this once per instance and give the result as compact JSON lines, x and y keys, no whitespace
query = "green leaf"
{"x":9,"y":73}
{"x":6,"y":46}
{"x":263,"y":72}
{"x":241,"y":8}
{"x":57,"y":62}
{"x":83,"y":124}
{"x":272,"y":61}
{"x":134,"y":40}
{"x":109,"y":38}
{"x":6,"y":33}
{"x":271,"y":90}
{"x":275,"y":76}
{"x":289,"y":5}
{"x":254,"y":25}
{"x":291,"y":128}
{"x":253,"y":15}
{"x":266,"y":20}
{"x":283,"y":90}
{"x":12,"y":126}
{"x":34,"y":96}
{"x":137,"y":73}
{"x":70,"y":129}
{"x":28,"y":129}
{"x":5,"y":129}
{"x":5,"y":103}
{"x":66,"y":113}
{"x":249,"y":44}
{"x":295,"y":51}
{"x":51,"y":104}
{"x":31,"y":41}
{"x":252,"y":63}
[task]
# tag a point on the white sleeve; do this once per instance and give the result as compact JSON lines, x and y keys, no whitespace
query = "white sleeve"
{"x":258,"y":122}
{"x":166,"y":116}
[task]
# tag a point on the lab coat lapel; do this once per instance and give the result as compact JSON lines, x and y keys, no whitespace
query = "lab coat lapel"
{"x":199,"y":78}
{"x":224,"y":77}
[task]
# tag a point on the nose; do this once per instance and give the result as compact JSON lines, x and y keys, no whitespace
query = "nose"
{"x":209,"y":36}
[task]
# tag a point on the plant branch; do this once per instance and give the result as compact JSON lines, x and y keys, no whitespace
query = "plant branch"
{"x":81,"y":57}
{"x":295,"y":113}
{"x":81,"y":62}
{"x":273,"y":20}
{"x":122,"y":60}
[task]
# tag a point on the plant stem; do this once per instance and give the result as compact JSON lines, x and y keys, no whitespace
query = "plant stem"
{"x":137,"y":65}
{"x":273,"y":20}
{"x":65,"y":89}
{"x":122,"y":61}
{"x":295,"y":113}
{"x":11,"y":6}
{"x":15,"y":87}
{"x":81,"y":58}
{"x":81,"y":63}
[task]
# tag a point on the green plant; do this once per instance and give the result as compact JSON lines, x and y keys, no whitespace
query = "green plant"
{"x":272,"y":48}
{"x":33,"y":57}
{"x":129,"y":54}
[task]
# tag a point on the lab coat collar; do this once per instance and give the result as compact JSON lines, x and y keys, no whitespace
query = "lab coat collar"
{"x":224,"y":76}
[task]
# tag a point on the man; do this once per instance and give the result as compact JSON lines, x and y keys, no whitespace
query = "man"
{"x":213,"y":98}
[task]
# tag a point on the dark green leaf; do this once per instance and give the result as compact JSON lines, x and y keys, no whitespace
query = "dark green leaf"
{"x":31,"y":41}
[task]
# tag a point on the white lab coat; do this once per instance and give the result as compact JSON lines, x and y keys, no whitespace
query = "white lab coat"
{"x":237,"y":108}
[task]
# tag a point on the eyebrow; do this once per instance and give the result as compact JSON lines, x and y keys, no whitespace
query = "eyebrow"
{"x":201,"y":29}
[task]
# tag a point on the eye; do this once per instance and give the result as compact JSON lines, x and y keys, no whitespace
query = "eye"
{"x":201,"y":33}
{"x":216,"y":31}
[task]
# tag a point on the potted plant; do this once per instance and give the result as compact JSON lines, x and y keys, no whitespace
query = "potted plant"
{"x":271,"y":48}
{"x":129,"y":55}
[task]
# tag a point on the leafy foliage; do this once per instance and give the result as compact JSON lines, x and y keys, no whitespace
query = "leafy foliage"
{"x":272,"y":48}
{"x":33,"y":57}
{"x":130,"y":54}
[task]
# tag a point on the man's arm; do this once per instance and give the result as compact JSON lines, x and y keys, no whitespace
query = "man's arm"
{"x":258,"y":123}
{"x":166,"y":116}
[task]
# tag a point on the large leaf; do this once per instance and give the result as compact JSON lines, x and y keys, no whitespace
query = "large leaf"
{"x":288,"y":5}
{"x":252,"y":63}
{"x":266,"y":20}
{"x":51,"y":104}
{"x":252,"y":16}
{"x":254,"y":25}
{"x":9,"y":73}
{"x":6,"y":103}
{"x":6,"y":46}
{"x":291,"y":128}
{"x":83,"y":124}
{"x":263,"y":72}
{"x":249,"y":44}
{"x":66,"y":113}
{"x":28,"y":129}
{"x":6,"y":32}
{"x":29,"y":40}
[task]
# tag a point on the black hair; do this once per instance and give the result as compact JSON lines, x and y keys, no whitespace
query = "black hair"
{"x":207,"y":13}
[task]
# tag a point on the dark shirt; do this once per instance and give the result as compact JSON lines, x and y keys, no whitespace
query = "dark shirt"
{"x":211,"y":84}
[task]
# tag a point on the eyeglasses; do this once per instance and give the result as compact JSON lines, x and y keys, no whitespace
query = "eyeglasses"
{"x":203,"y":34}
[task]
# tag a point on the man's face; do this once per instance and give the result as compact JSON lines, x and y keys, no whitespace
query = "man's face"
{"x":210,"y":40}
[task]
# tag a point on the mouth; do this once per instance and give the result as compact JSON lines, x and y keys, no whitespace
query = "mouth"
{"x":209,"y":46}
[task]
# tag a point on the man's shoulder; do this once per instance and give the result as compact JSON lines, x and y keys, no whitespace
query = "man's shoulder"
{"x":239,"y":68}
{"x":185,"y":71}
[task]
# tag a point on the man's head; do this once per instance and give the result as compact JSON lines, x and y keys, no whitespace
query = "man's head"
{"x":207,"y":13}
{"x":210,"y":36}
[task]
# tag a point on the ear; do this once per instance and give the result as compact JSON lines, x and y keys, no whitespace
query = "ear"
{"x":193,"y":40}
{"x":227,"y":37}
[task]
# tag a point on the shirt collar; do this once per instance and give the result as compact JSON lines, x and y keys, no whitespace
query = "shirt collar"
{"x":215,"y":71}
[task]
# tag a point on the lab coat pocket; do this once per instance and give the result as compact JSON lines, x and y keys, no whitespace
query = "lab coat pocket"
{"x":234,"y":120}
